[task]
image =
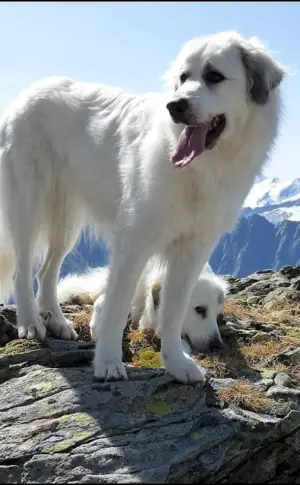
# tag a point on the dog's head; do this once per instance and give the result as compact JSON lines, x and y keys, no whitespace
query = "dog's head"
{"x":200,"y":328}
{"x":215,"y":81}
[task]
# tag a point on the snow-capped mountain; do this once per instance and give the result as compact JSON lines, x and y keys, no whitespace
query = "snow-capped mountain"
{"x":275,"y":199}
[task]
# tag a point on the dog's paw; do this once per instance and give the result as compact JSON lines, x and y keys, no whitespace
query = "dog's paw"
{"x":58,"y":325}
{"x":36,"y":330}
{"x":108,"y":368}
{"x":183,"y":369}
{"x":110,"y":371}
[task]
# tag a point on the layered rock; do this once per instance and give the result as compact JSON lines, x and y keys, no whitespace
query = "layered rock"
{"x":58,"y":424}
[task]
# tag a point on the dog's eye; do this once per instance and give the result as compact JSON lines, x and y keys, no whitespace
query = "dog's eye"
{"x":183,"y":77}
{"x":213,"y":77}
{"x":201,"y":310}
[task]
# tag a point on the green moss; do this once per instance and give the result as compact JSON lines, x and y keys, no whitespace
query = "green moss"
{"x":59,"y":447}
{"x":197,"y":435}
{"x":19,"y":346}
{"x":267,"y":373}
{"x":66,"y":418}
{"x":67,"y":444}
{"x":255,"y":422}
{"x":159,"y":408}
{"x":147,"y":357}
{"x":81,"y":436}
{"x":80,"y":418}
{"x":42,"y":387}
{"x":83,"y":417}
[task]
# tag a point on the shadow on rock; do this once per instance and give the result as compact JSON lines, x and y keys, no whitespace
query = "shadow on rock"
{"x":59,"y":424}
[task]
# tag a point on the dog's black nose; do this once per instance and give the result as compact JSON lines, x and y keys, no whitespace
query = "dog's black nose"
{"x":216,"y":343}
{"x":177,"y":107}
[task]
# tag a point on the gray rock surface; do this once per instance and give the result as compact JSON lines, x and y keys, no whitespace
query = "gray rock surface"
{"x":59,"y":425}
{"x":267,"y":287}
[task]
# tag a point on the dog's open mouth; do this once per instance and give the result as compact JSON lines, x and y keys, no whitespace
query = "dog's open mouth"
{"x":194,"y":140}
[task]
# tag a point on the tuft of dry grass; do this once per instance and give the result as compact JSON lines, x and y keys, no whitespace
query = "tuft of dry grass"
{"x":259,"y":352}
{"x":137,"y":336}
{"x":281,"y":313}
{"x":246,"y":396}
{"x":81,"y":323}
{"x":293,"y":371}
{"x":285,"y":317}
{"x":236,"y":309}
{"x":81,"y":299}
{"x":216,"y":365}
{"x":141,"y":339}
{"x":238,"y":358}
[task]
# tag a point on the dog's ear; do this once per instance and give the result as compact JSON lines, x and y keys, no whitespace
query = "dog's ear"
{"x":263,"y":73}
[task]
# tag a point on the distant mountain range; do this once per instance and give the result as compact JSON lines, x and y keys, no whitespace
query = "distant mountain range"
{"x":275,"y":199}
{"x":267,"y":235}
{"x":257,"y":244}
{"x":254,"y":244}
{"x":87,"y":254}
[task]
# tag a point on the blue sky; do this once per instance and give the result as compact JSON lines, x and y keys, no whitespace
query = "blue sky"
{"x":130,"y":45}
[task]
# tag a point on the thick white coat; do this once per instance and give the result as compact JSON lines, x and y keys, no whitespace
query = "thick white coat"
{"x":73,"y":153}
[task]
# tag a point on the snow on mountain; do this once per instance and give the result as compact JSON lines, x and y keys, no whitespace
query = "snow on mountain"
{"x":260,"y":177}
{"x":283,"y":214}
{"x":273,"y":191}
{"x":275,"y":199}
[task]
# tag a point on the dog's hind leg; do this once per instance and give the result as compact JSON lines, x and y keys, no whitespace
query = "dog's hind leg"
{"x":30,"y":324}
{"x":21,"y":211}
{"x":61,"y":239}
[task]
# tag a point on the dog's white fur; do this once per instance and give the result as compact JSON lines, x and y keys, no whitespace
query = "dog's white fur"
{"x":73,"y":152}
{"x":199,"y":330}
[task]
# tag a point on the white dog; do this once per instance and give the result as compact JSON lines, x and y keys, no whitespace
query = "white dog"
{"x":160,"y":173}
{"x":200,"y":329}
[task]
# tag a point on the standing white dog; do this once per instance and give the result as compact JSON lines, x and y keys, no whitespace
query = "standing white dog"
{"x":200,"y":329}
{"x":163,"y":173}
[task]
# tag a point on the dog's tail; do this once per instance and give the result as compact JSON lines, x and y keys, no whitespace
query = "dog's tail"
{"x":83,"y":288}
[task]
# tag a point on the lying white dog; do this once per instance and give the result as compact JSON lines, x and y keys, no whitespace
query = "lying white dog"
{"x":158,"y":173}
{"x":200,"y":329}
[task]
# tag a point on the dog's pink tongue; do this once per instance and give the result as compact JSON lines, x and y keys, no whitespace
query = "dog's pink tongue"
{"x":191,"y":144}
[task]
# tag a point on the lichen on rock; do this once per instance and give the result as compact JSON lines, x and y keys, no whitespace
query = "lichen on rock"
{"x":58,"y":424}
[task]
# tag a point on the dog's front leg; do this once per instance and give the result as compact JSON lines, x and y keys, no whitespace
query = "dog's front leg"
{"x":185,"y":261}
{"x":130,"y":253}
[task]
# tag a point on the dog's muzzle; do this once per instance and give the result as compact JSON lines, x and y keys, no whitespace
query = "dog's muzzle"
{"x":215,"y":343}
{"x":178,"y":110}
